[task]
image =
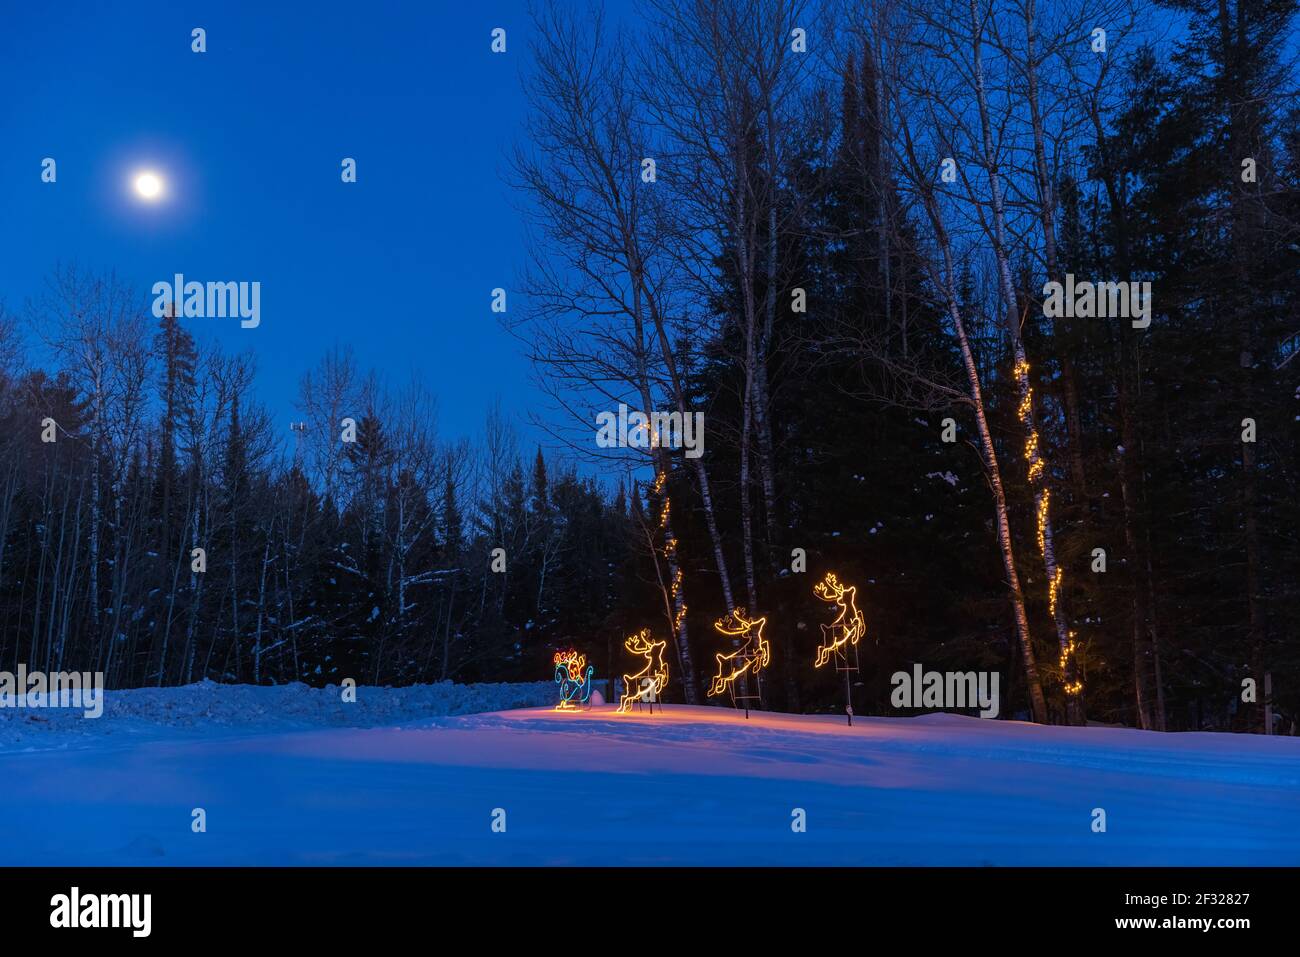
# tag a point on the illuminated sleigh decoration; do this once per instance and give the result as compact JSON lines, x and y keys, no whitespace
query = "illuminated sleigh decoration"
{"x":751,"y":656}
{"x":573,"y":675}
{"x":651,"y":680}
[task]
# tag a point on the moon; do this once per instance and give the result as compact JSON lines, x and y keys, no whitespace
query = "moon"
{"x":148,"y":186}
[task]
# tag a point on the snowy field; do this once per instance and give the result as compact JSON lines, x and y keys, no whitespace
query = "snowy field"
{"x":410,"y":776}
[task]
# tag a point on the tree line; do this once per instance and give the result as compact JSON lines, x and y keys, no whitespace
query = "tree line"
{"x":156,"y":525}
{"x":834,"y":229}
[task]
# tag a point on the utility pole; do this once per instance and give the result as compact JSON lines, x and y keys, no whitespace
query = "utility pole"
{"x":299,"y":429}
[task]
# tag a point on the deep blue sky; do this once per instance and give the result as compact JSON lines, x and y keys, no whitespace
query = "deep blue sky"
{"x":250,"y":135}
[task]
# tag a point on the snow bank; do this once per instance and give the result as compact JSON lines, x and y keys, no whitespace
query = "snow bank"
{"x":209,"y":708}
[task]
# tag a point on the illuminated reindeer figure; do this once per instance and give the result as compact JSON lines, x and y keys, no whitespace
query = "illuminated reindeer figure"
{"x":651,"y":680}
{"x":574,"y":683}
{"x":752,"y":656}
{"x":848,"y":627}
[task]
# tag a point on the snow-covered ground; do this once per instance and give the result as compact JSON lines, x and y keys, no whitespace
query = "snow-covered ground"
{"x":686,"y":786}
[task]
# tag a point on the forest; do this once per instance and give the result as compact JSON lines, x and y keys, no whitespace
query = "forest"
{"x":989,"y":307}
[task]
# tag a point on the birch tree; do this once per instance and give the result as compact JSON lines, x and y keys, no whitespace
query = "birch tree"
{"x":594,"y":298}
{"x":920,"y":148}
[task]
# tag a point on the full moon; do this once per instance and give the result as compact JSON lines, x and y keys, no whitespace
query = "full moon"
{"x":148,"y":186}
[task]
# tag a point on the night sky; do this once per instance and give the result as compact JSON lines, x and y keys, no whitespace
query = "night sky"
{"x":250,"y":136}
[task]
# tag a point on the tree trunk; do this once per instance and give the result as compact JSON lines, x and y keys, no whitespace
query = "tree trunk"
{"x":1038,"y":478}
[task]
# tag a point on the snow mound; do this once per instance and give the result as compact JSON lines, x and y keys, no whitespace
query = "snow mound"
{"x":207,"y":708}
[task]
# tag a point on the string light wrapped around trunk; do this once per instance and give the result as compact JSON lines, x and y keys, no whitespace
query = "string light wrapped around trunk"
{"x":1067,"y":655}
{"x":670,"y":549}
{"x":1070,"y":680}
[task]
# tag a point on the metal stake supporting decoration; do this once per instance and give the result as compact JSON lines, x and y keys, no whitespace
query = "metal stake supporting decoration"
{"x":842,"y":664}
